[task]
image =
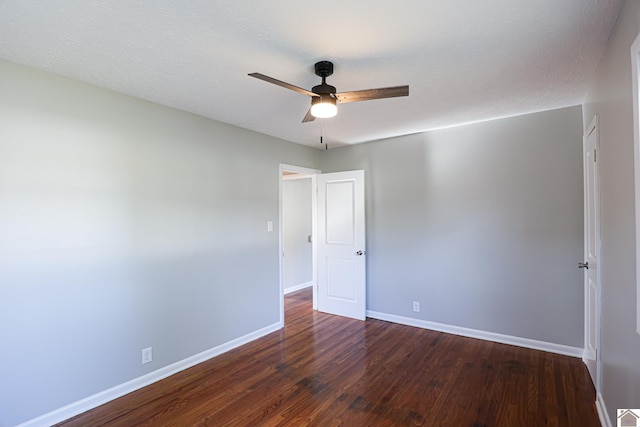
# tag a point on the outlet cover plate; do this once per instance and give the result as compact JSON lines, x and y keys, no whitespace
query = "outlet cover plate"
{"x":147,"y":355}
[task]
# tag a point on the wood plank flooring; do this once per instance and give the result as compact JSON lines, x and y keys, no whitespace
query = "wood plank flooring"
{"x":324,"y":370}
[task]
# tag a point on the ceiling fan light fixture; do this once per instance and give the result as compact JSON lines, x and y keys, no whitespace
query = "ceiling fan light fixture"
{"x":323,"y":106}
{"x":324,"y":97}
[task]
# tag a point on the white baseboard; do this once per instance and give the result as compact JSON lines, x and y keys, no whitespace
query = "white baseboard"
{"x":298,"y":287}
{"x":105,"y":396}
{"x":602,"y":411}
{"x":483,"y":335}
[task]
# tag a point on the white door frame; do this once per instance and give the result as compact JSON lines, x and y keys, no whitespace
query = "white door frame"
{"x":589,"y":130}
{"x":312,"y":173}
{"x":635,"y":74}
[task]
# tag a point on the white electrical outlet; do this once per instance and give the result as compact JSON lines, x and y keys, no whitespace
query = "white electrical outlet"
{"x":147,"y":355}
{"x":416,"y":306}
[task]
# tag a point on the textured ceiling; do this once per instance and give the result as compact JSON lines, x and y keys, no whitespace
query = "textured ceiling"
{"x":465,"y":60}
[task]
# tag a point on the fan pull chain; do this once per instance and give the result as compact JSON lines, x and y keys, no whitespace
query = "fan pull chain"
{"x":326,"y":146}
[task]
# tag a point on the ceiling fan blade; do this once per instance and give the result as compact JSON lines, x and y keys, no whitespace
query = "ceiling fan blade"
{"x":368,"y":94}
{"x":283,"y":84}
{"x":308,"y":117}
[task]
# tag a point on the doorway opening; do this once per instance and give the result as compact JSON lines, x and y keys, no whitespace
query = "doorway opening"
{"x":297,"y":231}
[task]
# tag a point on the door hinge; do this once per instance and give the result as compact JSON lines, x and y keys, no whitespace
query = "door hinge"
{"x":595,"y":155}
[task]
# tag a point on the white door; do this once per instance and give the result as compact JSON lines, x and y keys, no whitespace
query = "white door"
{"x":341,"y":244}
{"x":591,"y":250}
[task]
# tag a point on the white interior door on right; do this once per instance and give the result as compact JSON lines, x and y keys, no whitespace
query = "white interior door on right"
{"x":591,"y":249}
{"x":341,"y":253}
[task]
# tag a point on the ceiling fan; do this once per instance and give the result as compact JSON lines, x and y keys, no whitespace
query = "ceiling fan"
{"x":324,"y":97}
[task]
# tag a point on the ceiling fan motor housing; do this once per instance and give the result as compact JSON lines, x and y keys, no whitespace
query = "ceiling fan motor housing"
{"x":323,"y":89}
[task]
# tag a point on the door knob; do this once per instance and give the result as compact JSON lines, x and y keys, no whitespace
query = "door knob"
{"x":583,"y":265}
{"x":359,"y":253}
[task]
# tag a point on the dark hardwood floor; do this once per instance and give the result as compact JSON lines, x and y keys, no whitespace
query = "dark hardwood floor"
{"x":324,"y":370}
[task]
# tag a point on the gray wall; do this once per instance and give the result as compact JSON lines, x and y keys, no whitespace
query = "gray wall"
{"x":610,"y":96}
{"x":124,"y":224}
{"x":296,"y":218}
{"x":482,"y":224}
